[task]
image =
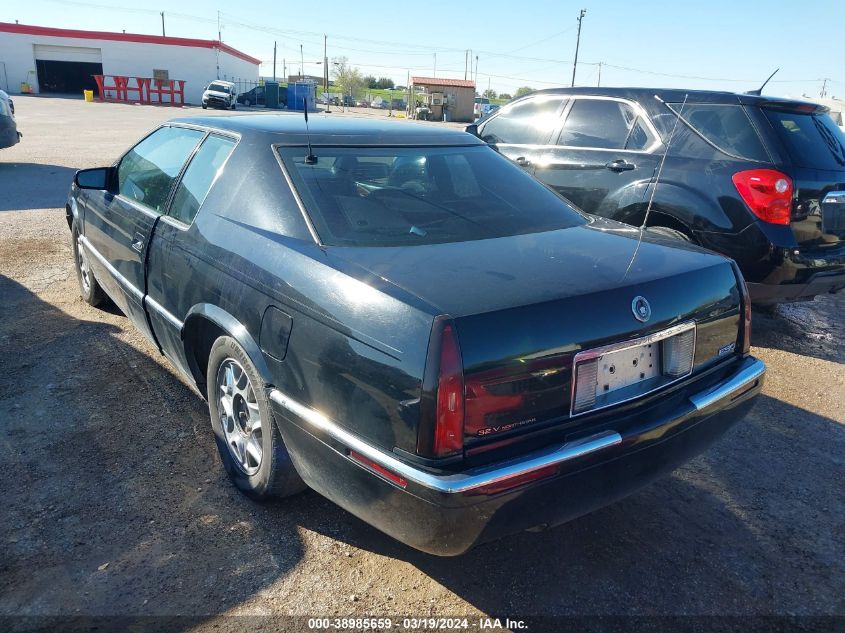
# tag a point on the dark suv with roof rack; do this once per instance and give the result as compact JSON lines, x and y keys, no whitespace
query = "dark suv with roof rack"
{"x":756,"y":178}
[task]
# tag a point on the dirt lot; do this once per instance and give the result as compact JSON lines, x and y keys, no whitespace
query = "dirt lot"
{"x":115,"y":501}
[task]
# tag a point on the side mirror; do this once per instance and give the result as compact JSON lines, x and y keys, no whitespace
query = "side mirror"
{"x":97,"y":178}
{"x":472,"y":128}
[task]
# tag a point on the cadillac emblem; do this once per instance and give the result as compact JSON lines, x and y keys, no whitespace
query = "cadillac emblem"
{"x":641,"y":309}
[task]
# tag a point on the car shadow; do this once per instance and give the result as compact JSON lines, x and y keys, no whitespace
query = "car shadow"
{"x":709,"y":539}
{"x":34,"y":186}
{"x":119,"y":504}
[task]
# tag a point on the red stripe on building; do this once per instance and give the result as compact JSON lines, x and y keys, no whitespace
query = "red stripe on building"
{"x":46,"y":31}
{"x":442,"y":81}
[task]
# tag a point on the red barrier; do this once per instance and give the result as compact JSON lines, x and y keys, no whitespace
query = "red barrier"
{"x":141,"y":89}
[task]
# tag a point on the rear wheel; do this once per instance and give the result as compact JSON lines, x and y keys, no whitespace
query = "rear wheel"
{"x":247,"y":102}
{"x":667,"y":232}
{"x":251,"y":449}
{"x":89,"y":289}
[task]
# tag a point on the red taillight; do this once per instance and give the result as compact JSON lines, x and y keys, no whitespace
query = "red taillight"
{"x":746,"y":318}
{"x":449,"y":418}
{"x":767,"y":192}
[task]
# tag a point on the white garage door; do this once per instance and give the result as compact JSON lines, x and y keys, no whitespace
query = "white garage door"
{"x":68,"y":54}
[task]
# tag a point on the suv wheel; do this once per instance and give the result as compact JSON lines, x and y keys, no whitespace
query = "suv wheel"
{"x":250,"y":446}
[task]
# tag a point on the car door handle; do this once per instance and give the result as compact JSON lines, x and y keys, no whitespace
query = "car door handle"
{"x":620,"y":165}
{"x":522,"y":161}
{"x":138,"y":242}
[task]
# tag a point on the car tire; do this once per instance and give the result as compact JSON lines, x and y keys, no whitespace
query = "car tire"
{"x":89,"y":288}
{"x":204,"y":106}
{"x":234,"y":106}
{"x":247,"y":103}
{"x":255,"y":457}
{"x":665,"y":231}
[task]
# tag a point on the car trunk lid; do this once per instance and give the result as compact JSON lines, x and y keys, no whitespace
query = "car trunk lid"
{"x":524,"y":306}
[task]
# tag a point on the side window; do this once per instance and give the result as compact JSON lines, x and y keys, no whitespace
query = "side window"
{"x":200,"y":176}
{"x":599,"y":123}
{"x":525,"y":123}
{"x":640,"y":137}
{"x":727,"y":126}
{"x":146,"y":173}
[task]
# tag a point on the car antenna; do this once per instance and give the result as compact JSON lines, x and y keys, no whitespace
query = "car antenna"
{"x":663,"y":158}
{"x":759,"y":90}
{"x":311,"y":159}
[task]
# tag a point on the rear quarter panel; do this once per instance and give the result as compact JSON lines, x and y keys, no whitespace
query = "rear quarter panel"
{"x":354,"y":352}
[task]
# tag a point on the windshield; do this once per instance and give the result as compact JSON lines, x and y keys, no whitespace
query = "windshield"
{"x":812,"y":140}
{"x":387,"y":196}
{"x":218,"y":87}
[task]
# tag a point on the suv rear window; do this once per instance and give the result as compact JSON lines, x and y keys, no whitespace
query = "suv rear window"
{"x":389,"y":196}
{"x":726,"y":126}
{"x":812,"y":140}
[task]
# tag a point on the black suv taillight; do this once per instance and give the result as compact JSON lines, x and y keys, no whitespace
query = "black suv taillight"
{"x":767,"y":192}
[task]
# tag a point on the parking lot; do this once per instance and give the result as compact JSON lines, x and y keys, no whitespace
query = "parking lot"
{"x":115,"y":501}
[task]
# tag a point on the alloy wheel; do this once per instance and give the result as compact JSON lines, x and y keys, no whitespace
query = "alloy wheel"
{"x":240,"y":416}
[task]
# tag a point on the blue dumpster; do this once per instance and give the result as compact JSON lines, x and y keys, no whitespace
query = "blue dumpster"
{"x":302,"y":93}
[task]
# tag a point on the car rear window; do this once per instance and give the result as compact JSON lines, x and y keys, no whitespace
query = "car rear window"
{"x":812,"y":140}
{"x":726,"y":126}
{"x":387,"y":196}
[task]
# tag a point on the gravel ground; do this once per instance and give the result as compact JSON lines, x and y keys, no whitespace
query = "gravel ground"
{"x":115,"y":502}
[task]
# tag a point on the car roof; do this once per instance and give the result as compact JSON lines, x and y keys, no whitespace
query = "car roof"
{"x":676,"y":95}
{"x":289,"y":128}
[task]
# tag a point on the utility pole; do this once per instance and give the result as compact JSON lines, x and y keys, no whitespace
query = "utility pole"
{"x":163,"y":34}
{"x":284,"y":69}
{"x":274,"y":61}
{"x":435,"y":65}
{"x":301,"y":64}
{"x":326,"y":72}
{"x":599,"y":82}
{"x":823,"y":93}
{"x":466,"y":63}
{"x":475,"y":81}
{"x":577,"y":44}
{"x":219,"y":29}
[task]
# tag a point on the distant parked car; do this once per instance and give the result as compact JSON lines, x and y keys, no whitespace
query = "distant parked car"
{"x":219,"y":94}
{"x":759,"y":179}
{"x":479,"y":102}
{"x":486,"y":110}
{"x":362,"y":104}
{"x":400,"y":318}
{"x":9,"y":134}
{"x":252,"y":97}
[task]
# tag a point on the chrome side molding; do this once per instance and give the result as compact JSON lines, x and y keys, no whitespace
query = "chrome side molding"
{"x":459,"y":482}
{"x":746,"y":378}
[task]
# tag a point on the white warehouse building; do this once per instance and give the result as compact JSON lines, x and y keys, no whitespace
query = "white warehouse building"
{"x":49,"y":60}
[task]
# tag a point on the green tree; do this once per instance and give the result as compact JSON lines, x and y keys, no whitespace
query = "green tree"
{"x":505,"y":96}
{"x":490,"y":93}
{"x":520,"y":92}
{"x":348,"y":78}
{"x":370,"y":81}
{"x":384,"y":82}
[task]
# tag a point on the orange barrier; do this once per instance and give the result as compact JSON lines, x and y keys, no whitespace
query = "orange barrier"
{"x":124,"y":89}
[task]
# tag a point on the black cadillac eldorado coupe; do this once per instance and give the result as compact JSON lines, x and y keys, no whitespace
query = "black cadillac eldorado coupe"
{"x":400,"y":318}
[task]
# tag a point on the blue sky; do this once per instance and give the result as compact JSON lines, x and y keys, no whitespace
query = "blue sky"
{"x":714,"y":44}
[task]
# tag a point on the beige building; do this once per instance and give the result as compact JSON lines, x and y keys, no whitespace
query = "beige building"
{"x":459,"y":95}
